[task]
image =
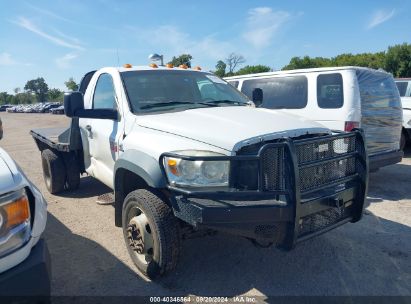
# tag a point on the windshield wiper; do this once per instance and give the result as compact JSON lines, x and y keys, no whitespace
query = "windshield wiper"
{"x":171,"y":103}
{"x":223,"y":101}
{"x":163,"y":104}
{"x":211,"y":103}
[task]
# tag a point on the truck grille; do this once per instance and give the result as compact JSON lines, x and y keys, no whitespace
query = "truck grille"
{"x":321,"y":161}
{"x":320,"y":220}
{"x":273,"y":169}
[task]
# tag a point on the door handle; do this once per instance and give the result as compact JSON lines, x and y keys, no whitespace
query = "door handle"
{"x":88,"y":128}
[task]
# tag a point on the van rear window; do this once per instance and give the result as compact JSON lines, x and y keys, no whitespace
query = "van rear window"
{"x":378,"y":90}
{"x":330,"y":91}
{"x":279,"y":93}
{"x":402,"y":87}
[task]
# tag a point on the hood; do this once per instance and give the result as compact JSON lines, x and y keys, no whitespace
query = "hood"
{"x":6,"y":175}
{"x":406,"y":102}
{"x":230,"y":128}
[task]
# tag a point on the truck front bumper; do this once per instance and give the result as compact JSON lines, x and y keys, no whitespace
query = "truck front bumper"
{"x":270,"y":220}
{"x":32,"y":277}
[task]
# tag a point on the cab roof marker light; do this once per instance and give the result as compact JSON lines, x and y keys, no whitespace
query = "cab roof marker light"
{"x":169,"y":65}
{"x":153,"y":65}
{"x":127,"y":65}
{"x":183,"y":66}
{"x":197,"y":68}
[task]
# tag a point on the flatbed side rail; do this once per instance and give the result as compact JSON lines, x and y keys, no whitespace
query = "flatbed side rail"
{"x":60,"y":139}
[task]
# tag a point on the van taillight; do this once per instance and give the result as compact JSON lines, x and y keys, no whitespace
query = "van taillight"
{"x":349,"y":125}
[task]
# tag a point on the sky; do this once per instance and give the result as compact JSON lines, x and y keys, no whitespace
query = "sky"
{"x":61,"y":39}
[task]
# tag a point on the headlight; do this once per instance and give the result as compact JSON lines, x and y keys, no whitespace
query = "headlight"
{"x":15,"y":225}
{"x":198,"y":173}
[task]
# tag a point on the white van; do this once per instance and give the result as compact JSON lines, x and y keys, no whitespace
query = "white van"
{"x":341,"y":98}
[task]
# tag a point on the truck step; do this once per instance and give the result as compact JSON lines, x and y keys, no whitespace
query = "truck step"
{"x":106,"y":199}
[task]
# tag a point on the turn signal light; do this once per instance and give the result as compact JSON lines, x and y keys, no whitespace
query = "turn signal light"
{"x":17,"y":212}
{"x":172,"y":165}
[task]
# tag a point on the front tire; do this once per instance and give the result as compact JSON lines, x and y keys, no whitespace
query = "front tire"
{"x":151,"y":233}
{"x":54,"y":171}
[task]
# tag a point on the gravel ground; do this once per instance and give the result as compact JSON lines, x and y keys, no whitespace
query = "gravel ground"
{"x":89,"y":257}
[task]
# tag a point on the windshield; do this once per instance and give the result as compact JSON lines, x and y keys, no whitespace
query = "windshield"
{"x":164,"y":90}
{"x":402,"y":87}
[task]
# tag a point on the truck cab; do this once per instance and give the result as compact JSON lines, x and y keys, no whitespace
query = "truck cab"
{"x":24,"y":257}
{"x":186,"y":153}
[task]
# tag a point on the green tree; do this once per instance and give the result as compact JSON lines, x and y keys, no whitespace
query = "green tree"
{"x":3,"y":97}
{"x":253,"y":69}
{"x":39,"y":87}
{"x":55,"y":95}
{"x":307,"y":62}
{"x":220,"y":68}
{"x":71,"y":84}
{"x":182,"y":59}
{"x":398,"y":60}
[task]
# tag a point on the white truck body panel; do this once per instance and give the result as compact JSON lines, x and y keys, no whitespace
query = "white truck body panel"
{"x":221,"y":130}
{"x":15,"y":180}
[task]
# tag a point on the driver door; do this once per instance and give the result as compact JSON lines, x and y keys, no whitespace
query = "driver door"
{"x":103,"y":134}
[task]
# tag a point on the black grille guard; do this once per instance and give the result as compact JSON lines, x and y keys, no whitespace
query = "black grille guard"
{"x":316,"y":205}
{"x":293,"y":168}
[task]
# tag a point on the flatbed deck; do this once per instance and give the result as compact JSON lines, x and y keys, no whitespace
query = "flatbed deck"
{"x":60,"y":139}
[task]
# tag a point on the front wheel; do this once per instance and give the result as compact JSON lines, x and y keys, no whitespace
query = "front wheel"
{"x":151,"y":233}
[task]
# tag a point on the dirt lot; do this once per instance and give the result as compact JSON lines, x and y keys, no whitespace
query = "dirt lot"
{"x":372,"y":257}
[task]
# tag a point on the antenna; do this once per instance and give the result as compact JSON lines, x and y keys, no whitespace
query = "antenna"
{"x":118,"y":59}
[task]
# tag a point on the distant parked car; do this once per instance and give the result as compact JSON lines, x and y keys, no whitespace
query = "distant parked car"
{"x":33,"y":108}
{"x":3,"y":108}
{"x":59,"y":110}
{"x":341,"y":98}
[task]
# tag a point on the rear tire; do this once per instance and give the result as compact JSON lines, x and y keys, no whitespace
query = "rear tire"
{"x":403,"y":140}
{"x":72,"y":173}
{"x":54,"y":172}
{"x":151,"y":233}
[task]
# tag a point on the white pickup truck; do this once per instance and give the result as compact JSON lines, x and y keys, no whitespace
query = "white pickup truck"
{"x":185,"y":152}
{"x":24,"y":257}
{"x":406,"y":124}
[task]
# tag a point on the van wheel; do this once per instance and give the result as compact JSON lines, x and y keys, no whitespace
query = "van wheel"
{"x":151,"y":233}
{"x":403,"y":140}
{"x":73,"y":173}
{"x":54,"y":172}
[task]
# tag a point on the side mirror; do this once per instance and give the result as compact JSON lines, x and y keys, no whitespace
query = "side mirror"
{"x":73,"y":102}
{"x":74,"y":107}
{"x":1,"y":129}
{"x":258,"y":97}
{"x":109,"y":114}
